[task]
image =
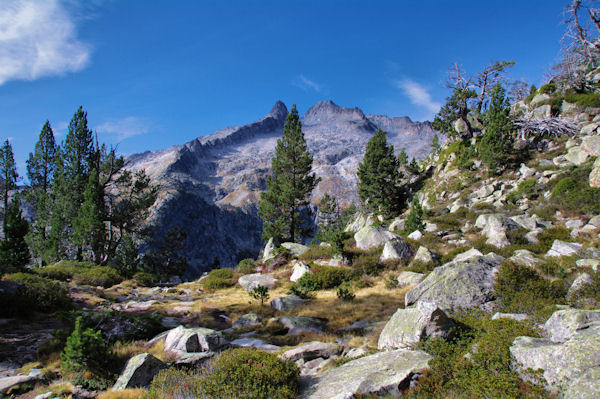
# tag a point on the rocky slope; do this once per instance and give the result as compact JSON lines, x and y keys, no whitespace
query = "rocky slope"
{"x":210,"y":186}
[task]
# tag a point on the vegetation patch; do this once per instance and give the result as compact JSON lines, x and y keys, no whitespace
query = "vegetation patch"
{"x":82,"y":273}
{"x":37,"y":293}
{"x":218,"y":278}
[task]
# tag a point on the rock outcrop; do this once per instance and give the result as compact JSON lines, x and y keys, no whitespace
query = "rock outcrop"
{"x":139,"y":372}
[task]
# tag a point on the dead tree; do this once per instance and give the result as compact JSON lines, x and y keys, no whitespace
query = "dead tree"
{"x":538,"y":128}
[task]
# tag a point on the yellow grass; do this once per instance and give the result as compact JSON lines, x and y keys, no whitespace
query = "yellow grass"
{"x":124,"y":394}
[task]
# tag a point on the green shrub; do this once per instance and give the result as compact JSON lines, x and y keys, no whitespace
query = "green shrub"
{"x":584,"y":100}
{"x":323,"y":278}
{"x":563,"y":186}
{"x":252,"y":374}
{"x":261,"y":293}
{"x":38,"y":293}
{"x":525,"y":189}
{"x":345,"y":292}
{"x":391,"y":282}
{"x":465,"y":155}
{"x":82,"y":273}
{"x":218,"y":278}
{"x":367,"y":265}
{"x":86,"y":356}
{"x":532,"y":93}
{"x":246,"y":266}
{"x":459,"y":371}
{"x":420,"y":267}
{"x":414,"y":220}
{"x":316,"y":252}
{"x":548,"y":88}
{"x":173,"y":383}
{"x":145,"y":279}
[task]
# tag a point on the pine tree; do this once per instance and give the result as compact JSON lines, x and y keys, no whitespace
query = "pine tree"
{"x":88,"y":226}
{"x":496,"y":143}
{"x":414,"y":220}
{"x":40,"y":170}
{"x":330,"y":225}
{"x":14,"y":251}
{"x":402,"y":158}
{"x":378,"y":177}
{"x":284,"y":206}
{"x":435,"y":143}
{"x":8,"y":172}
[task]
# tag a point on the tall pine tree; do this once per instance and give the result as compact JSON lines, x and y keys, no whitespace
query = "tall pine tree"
{"x":8,"y":172}
{"x":88,"y":227}
{"x":284,"y":206}
{"x":14,"y":252}
{"x":378,"y":176}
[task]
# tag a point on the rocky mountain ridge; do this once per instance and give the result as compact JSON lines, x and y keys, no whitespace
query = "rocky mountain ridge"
{"x":210,"y":186}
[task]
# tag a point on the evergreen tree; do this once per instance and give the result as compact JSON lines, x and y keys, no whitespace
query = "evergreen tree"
{"x":56,"y":247}
{"x":456,"y":107}
{"x":402,"y":158}
{"x":283,"y":207}
{"x":435,"y":143}
{"x":14,"y":251}
{"x":496,"y":143}
{"x":414,"y":220}
{"x":330,"y":226}
{"x":88,"y":226}
{"x":40,"y":170}
{"x":8,"y":172}
{"x":413,"y":167}
{"x":378,"y":177}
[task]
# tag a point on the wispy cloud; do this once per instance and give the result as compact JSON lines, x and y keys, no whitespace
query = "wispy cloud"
{"x":38,"y":38}
{"x":307,"y":84}
{"x":124,"y":128}
{"x":418,"y":95}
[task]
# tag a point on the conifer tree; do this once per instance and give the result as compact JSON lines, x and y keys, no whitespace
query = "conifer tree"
{"x":284,"y":206}
{"x":14,"y":251}
{"x":8,"y":172}
{"x":435,"y":143}
{"x":378,"y":177}
{"x":330,"y":225}
{"x":88,"y":226}
{"x":414,"y":220}
{"x":402,"y":158}
{"x":496,"y":143}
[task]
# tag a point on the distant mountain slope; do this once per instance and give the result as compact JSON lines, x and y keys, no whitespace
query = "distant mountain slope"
{"x":210,"y":186}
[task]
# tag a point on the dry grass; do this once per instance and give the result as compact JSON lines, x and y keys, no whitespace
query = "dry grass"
{"x":125,"y":351}
{"x":124,"y":394}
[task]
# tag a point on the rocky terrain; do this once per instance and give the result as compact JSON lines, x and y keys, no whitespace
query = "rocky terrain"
{"x":210,"y":186}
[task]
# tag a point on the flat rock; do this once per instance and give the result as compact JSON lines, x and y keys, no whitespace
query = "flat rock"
{"x":415,"y":235}
{"x":576,"y":155}
{"x":591,"y":145}
{"x":371,"y":237}
{"x":410,"y":325}
{"x":295,"y":248}
{"x":182,"y":340}
{"x":286,"y":303}
{"x":139,"y":372}
{"x":250,"y":281}
{"x":312,"y":350}
{"x":255,"y":343}
{"x":247,"y":320}
{"x":384,"y":373}
{"x":409,"y":278}
{"x":562,"y":248}
{"x":594,"y":264}
{"x":594,"y":178}
{"x":300,"y":324}
{"x":563,"y":324}
{"x":8,"y":382}
{"x":471,"y":253}
{"x":525,"y":257}
{"x":513,"y":316}
{"x":458,"y":284}
{"x":299,"y":270}
{"x":423,"y":255}
{"x":397,"y":249}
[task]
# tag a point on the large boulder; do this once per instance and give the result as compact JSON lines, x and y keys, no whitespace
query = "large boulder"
{"x":359,"y":222}
{"x":494,"y":227}
{"x":539,"y":98}
{"x":384,"y":373}
{"x":299,"y":270}
{"x":370,"y":237}
{"x":594,"y":178}
{"x":268,"y":251}
{"x":567,"y":357}
{"x":409,"y":278}
{"x":542,"y":112}
{"x":525,"y":257}
{"x":183,"y":340}
{"x":576,"y":155}
{"x":295,"y":248}
{"x":285,"y":303}
{"x":254,"y":343}
{"x":300,"y":324}
{"x":409,"y":326}
{"x":530,"y":222}
{"x":424,"y":255}
{"x":247,"y":320}
{"x":397,"y":249}
{"x":562,"y":248}
{"x":250,"y":281}
{"x":591,"y":145}
{"x":461,"y":126}
{"x":458,"y":284}
{"x":139,"y":372}
{"x":312,"y":350}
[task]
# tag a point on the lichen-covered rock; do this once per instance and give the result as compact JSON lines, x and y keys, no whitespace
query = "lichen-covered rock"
{"x":397,"y":225}
{"x":191,"y":340}
{"x":423,"y":255}
{"x":370,"y":237}
{"x":247,"y":320}
{"x":594,"y":178}
{"x":415,"y":235}
{"x":591,"y":145}
{"x":295,"y":248}
{"x":409,"y":278}
{"x":250,"y":281}
{"x":458,"y":284}
{"x":579,"y":283}
{"x":312,"y":350}
{"x":139,"y":372}
{"x":586,"y":386}
{"x":494,"y":227}
{"x":268,"y":250}
{"x":300,"y":324}
{"x":359,"y":222}
{"x":384,"y":373}
{"x":397,"y":249}
{"x":539,"y":98}
{"x":576,"y":155}
{"x":513,"y":316}
{"x":461,"y":126}
{"x":530,"y":222}
{"x":286,"y":303}
{"x":525,"y":257}
{"x":563,"y":324}
{"x":410,"y":325}
{"x":471,"y":253}
{"x":255,"y":343}
{"x":563,"y":364}
{"x":562,"y":248}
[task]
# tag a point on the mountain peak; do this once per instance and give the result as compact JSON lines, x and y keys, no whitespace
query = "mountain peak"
{"x":324,"y":110}
{"x":279,"y":110}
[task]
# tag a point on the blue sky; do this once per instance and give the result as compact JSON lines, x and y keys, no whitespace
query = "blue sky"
{"x":153,"y":73}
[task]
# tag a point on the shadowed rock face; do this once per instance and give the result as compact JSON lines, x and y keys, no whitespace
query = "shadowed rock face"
{"x":210,"y":186}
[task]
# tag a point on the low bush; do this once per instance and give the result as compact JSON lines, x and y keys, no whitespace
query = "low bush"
{"x":218,"y":278}
{"x":246,"y":266}
{"x":252,"y":374}
{"x":525,"y":189}
{"x":367,"y":265}
{"x":458,"y":370}
{"x":548,"y":88}
{"x":547,"y":237}
{"x":173,"y":383}
{"x":345,"y":292}
{"x":37,"y":293}
{"x":82,"y":273}
{"x":122,"y":326}
{"x":584,"y":100}
{"x":324,"y":277}
{"x":145,"y":279}
{"x":316,"y":252}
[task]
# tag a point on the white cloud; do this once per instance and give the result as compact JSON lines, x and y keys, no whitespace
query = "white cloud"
{"x":307,"y":84}
{"x":418,"y":95}
{"x":124,"y":128}
{"x":38,"y":38}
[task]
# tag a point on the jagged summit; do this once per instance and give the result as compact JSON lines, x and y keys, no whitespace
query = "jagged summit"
{"x":327,"y":110}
